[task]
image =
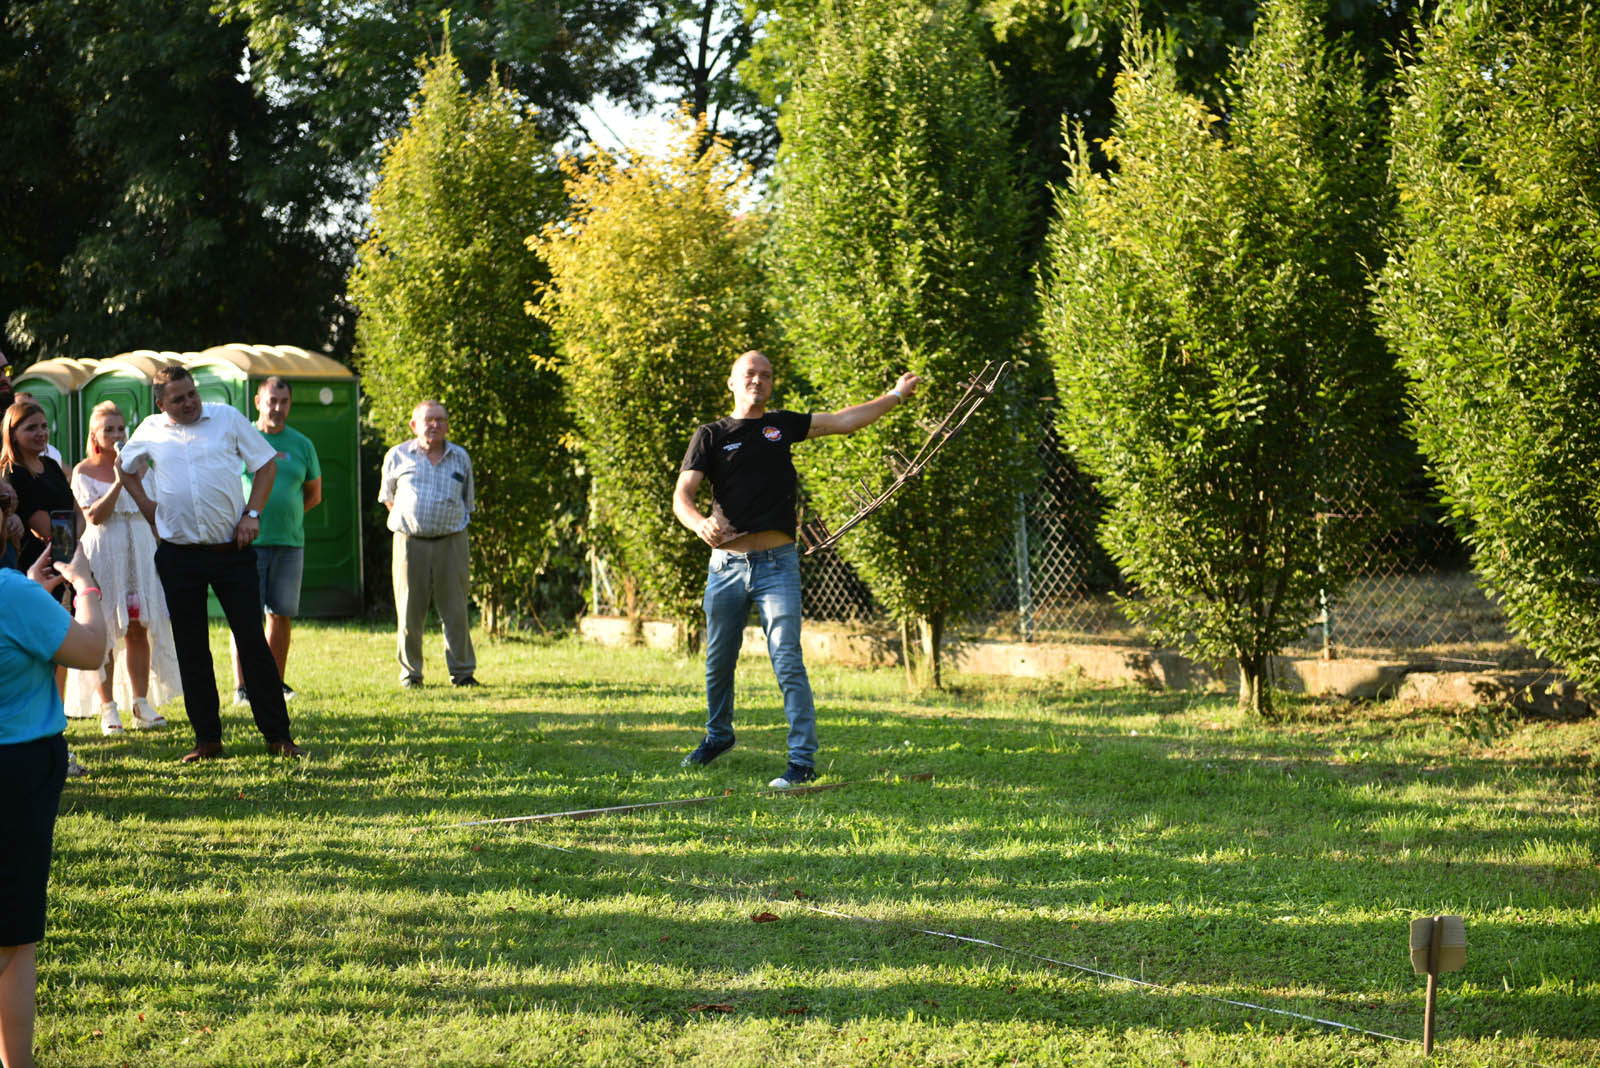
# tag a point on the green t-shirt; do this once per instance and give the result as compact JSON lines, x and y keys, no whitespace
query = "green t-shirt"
{"x":283,"y":520}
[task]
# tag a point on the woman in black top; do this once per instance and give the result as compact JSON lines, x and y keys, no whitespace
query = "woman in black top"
{"x":41,"y":486}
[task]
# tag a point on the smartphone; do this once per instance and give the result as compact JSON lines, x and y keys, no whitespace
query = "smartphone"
{"x":63,"y":536}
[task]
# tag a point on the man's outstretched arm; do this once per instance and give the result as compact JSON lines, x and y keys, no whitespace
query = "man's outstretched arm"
{"x":849,"y":420}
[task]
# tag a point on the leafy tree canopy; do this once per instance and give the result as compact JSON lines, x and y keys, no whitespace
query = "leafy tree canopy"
{"x":1492,"y":298}
{"x":1205,"y":307}
{"x":153,"y":196}
{"x":1057,"y":60}
{"x":900,"y":249}
{"x":441,"y":285}
{"x":654,"y":291}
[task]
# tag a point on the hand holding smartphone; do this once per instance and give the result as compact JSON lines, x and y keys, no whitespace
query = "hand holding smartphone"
{"x":63,"y":535}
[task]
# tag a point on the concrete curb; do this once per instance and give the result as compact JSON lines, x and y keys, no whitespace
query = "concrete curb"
{"x":1535,"y":693}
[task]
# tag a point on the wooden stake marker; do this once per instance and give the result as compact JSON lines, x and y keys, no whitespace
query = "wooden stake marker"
{"x":1438,"y":944}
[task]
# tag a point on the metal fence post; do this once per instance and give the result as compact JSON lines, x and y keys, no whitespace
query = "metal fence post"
{"x":1323,"y":601}
{"x":1024,"y":573}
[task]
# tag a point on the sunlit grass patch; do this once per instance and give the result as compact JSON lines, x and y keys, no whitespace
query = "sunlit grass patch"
{"x":330,"y":912}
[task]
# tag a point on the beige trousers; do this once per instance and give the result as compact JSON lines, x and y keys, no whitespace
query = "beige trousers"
{"x":436,"y":570}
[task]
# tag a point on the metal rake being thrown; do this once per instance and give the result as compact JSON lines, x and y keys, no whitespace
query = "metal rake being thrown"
{"x":816,"y":536}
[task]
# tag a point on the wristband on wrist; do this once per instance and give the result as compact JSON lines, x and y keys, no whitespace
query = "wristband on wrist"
{"x":91,"y":589}
{"x":897,"y":393}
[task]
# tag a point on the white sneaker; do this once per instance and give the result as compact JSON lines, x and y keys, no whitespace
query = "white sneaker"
{"x":145,"y":717}
{"x":110,"y":721}
{"x":75,"y":770}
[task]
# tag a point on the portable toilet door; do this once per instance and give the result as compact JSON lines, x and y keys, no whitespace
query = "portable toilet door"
{"x":219,"y":380}
{"x":54,"y":385}
{"x":325,"y":406}
{"x":128,"y":380}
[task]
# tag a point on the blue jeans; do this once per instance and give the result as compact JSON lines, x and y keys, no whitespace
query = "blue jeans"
{"x":770,"y":579}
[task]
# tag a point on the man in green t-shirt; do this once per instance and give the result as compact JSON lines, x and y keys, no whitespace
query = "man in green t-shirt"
{"x":280,"y":549}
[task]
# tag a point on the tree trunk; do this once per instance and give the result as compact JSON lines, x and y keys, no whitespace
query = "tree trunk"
{"x":1255,"y":689}
{"x":931,"y":631}
{"x":630,"y":608}
{"x":908,"y":654}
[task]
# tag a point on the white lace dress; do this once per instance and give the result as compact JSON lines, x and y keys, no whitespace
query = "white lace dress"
{"x":122,"y":553}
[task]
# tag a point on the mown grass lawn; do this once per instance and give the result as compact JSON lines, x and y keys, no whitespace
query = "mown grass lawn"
{"x":257,"y":912}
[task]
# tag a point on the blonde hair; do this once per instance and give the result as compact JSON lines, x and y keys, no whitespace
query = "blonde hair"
{"x":97,"y":415}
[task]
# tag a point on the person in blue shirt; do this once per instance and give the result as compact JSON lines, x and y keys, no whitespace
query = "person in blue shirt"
{"x":36,"y":634}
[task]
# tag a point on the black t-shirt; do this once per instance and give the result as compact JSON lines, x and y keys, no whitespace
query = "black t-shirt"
{"x":747,"y":462}
{"x":46,"y":492}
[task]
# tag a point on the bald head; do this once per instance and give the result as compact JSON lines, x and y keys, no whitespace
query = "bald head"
{"x":750,"y":381}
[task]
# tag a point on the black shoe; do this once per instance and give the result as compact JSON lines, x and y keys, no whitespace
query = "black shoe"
{"x":794,"y":775}
{"x":411,"y":682}
{"x":465,"y":680}
{"x":288,"y":692}
{"x":706,"y":752}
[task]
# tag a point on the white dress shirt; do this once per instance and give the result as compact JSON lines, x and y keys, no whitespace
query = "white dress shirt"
{"x":195,"y":475}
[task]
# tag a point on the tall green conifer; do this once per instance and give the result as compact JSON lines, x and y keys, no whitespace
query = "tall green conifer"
{"x":441,"y":287}
{"x":1205,"y":308}
{"x":899,"y":240}
{"x":1492,"y":299}
{"x":654,"y":291}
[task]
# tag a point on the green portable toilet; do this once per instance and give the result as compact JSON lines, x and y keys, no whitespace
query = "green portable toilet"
{"x":219,"y":377}
{"x":128,"y":380}
{"x":325,"y":407}
{"x":54,"y":384}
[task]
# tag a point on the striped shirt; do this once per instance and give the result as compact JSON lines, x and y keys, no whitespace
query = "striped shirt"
{"x":430,"y":499}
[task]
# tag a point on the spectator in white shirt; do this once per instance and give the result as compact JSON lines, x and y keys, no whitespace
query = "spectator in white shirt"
{"x":427,"y":487}
{"x":206,"y":528}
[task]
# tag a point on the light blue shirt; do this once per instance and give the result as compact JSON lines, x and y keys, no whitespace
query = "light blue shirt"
{"x":32,"y":628}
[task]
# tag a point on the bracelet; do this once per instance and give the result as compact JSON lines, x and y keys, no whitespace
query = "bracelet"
{"x":91,"y":589}
{"x":902,"y":396}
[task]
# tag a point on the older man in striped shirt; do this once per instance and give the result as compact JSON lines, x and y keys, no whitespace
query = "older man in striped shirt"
{"x":427,"y":487}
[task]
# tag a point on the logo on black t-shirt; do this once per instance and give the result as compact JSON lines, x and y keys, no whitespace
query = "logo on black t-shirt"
{"x":772,"y":433}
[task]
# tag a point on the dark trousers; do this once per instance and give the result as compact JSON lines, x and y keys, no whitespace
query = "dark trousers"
{"x":187,"y":571}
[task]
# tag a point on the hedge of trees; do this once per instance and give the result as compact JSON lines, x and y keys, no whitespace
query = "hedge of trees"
{"x":1239,"y":197}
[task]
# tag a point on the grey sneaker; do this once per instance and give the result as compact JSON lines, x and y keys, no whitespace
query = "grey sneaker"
{"x":241,"y":696}
{"x":288,"y":692}
{"x":794,"y":775}
{"x":706,"y":752}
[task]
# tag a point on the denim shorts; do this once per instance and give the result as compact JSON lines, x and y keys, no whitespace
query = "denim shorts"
{"x":280,"y":568}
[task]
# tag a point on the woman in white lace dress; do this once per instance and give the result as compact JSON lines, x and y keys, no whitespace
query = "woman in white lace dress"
{"x":122,"y":552}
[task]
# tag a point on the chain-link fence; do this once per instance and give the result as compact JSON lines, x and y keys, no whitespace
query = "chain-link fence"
{"x":1414,"y":595}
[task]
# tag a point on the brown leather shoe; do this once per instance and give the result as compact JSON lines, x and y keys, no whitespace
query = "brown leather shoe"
{"x":202,"y":751}
{"x":288,"y":749}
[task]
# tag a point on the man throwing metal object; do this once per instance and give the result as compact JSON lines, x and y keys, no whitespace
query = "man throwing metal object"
{"x":751,"y":531}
